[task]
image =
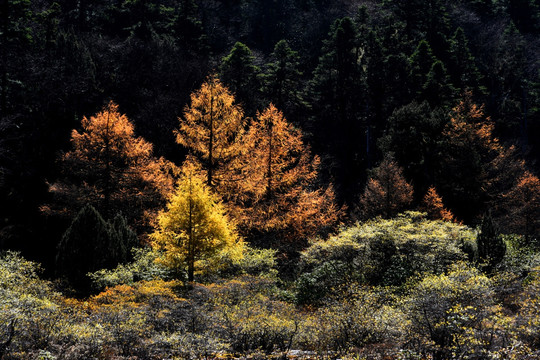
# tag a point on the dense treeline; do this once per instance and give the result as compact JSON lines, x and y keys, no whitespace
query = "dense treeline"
{"x":215,"y":177}
{"x":354,"y":76}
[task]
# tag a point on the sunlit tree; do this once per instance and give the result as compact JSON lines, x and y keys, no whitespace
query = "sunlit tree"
{"x":280,"y":185}
{"x":211,"y":129}
{"x":112,"y":169}
{"x":194,"y":226}
{"x":433,"y":205}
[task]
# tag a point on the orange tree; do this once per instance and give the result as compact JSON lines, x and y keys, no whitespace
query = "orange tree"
{"x":282,"y":200}
{"x":112,"y":169}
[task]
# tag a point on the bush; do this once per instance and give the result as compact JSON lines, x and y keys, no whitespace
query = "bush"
{"x":357,"y":318}
{"x":381,"y":252}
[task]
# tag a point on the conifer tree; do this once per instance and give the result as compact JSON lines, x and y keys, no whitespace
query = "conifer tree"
{"x":281,"y":81}
{"x":491,"y":247}
{"x":239,"y":73}
{"x":433,"y":205}
{"x":522,"y":204}
{"x":468,"y":149}
{"x":194,"y":226}
{"x":282,"y":199}
{"x":386,"y":192}
{"x":338,"y":106}
{"x":211,"y":129}
{"x":91,"y":243}
{"x":112,"y":169}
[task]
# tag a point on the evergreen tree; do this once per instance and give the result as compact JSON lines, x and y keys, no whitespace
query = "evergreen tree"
{"x":421,"y":62}
{"x":413,"y":134}
{"x":491,"y":247}
{"x":91,"y":243}
{"x":239,"y":73}
{"x":281,"y":81}
{"x":462,"y":69}
{"x":437,"y":90}
{"x":338,"y":107}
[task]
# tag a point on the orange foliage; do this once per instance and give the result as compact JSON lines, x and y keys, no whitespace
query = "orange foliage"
{"x":212,"y":128}
{"x":468,"y":126}
{"x":386,"y":192}
{"x":433,"y":205}
{"x":279,"y":184}
{"x":523,"y":205}
{"x":139,"y":293}
{"x":113,"y":169}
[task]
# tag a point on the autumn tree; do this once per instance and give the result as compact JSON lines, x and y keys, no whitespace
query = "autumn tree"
{"x":523,"y":208}
{"x":281,"y":197}
{"x":433,"y":205}
{"x":467,"y":151}
{"x":386,"y":192}
{"x":194,"y":227}
{"x":112,"y":169}
{"x":211,"y":129}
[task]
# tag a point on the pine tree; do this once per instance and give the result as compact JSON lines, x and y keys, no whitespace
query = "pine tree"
{"x":193,"y":227}
{"x":337,"y":102}
{"x":491,"y":247}
{"x":281,"y":81}
{"x":239,"y":73}
{"x":386,"y":192}
{"x":468,"y":149}
{"x":211,"y":129}
{"x":91,"y":243}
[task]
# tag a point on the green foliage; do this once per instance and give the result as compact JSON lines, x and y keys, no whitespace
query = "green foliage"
{"x":281,"y":79}
{"x":453,"y":315}
{"x":91,"y":243}
{"x":254,"y":262}
{"x":29,"y":309}
{"x":381,"y":252}
{"x":352,"y":319}
{"x":251,"y":318}
{"x":144,"y":267}
{"x":490,"y":245}
{"x":239,"y":73}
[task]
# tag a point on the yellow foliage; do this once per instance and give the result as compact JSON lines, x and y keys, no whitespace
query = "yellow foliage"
{"x":194,"y":227}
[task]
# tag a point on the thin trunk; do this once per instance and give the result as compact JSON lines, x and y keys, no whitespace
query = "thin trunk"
{"x":269,"y":170}
{"x":191,"y":250}
{"x":107,"y":175}
{"x":211,"y":140}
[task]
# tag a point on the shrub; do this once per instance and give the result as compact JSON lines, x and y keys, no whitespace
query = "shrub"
{"x":381,"y":252}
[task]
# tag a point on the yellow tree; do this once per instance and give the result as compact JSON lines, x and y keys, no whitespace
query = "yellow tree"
{"x":194,"y":226}
{"x":281,"y":196}
{"x":112,"y":169}
{"x":211,"y":129}
{"x":386,"y":192}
